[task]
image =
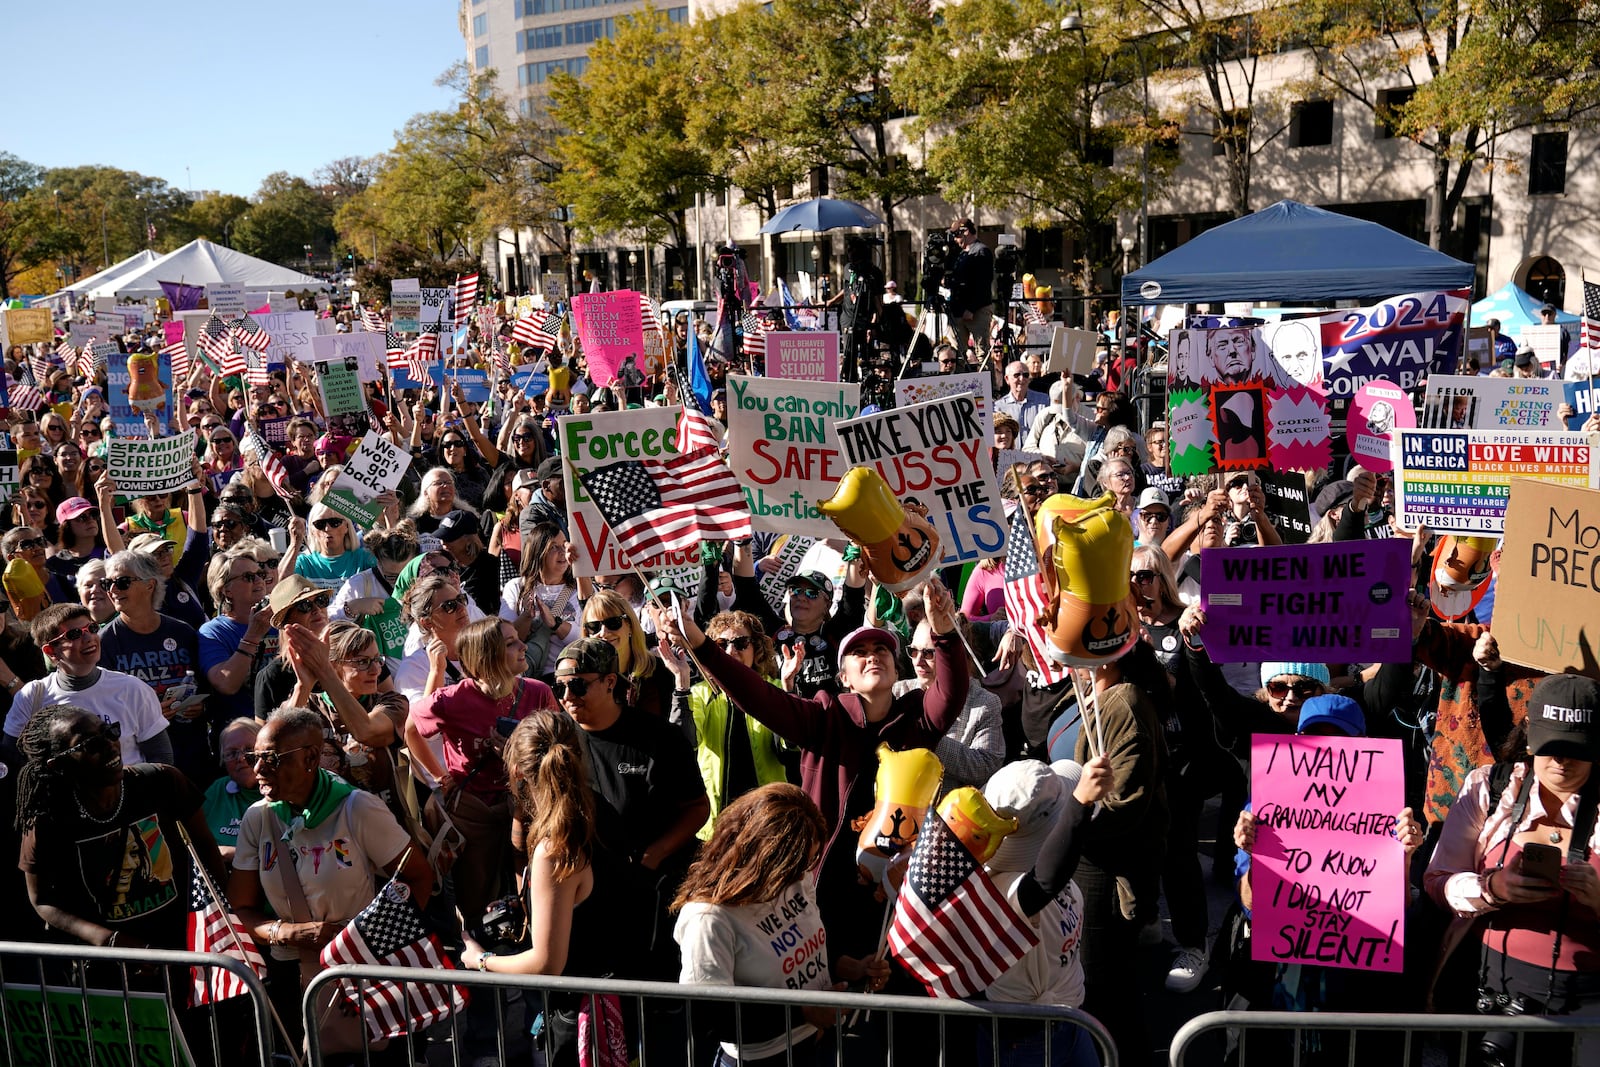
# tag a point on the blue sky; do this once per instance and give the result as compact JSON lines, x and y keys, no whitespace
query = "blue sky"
{"x":231,"y":89}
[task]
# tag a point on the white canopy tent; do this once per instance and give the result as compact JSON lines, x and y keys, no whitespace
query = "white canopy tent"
{"x":141,"y":258}
{"x":202,"y":263}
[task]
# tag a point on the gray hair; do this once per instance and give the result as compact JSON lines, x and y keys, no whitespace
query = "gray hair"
{"x":14,"y":537}
{"x":143,"y":566}
{"x":1121,"y":435}
{"x":293,"y":720}
{"x":419,"y":506}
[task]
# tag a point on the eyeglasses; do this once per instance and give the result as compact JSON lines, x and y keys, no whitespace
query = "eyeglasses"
{"x":77,"y":633}
{"x":805,"y":592}
{"x":33,"y":542}
{"x":434,"y":565}
{"x":1304,"y":688}
{"x":329,"y":523}
{"x":1155,"y":517}
{"x":578,"y":687}
{"x":221,"y":440}
{"x":1141,"y":577}
{"x":920,"y":653}
{"x":226,"y":524}
{"x":310,"y":604}
{"x":1123,"y":450}
{"x":522,"y":437}
{"x":612,"y":623}
{"x":449,"y":607}
{"x":737,"y":644}
{"x":121,"y":584}
{"x":209,"y":426}
{"x":1121,"y":472}
{"x":452,"y":444}
{"x":1239,"y":482}
{"x":1035,"y":490}
{"x":249,"y":576}
{"x":363,"y":663}
{"x":106,"y":739}
{"x":90,"y":431}
{"x":232,"y":755}
{"x":273,"y":760}
{"x":271,"y":565}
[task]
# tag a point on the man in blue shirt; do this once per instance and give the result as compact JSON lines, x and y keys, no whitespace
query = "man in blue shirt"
{"x":1021,"y":403}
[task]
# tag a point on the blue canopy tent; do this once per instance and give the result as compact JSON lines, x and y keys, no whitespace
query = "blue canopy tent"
{"x":1295,"y":253}
{"x":1515,"y":307}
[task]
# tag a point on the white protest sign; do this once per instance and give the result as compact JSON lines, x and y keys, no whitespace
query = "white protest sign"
{"x":783,"y":449}
{"x":322,"y":302}
{"x":1545,"y":342}
{"x":141,"y":468}
{"x":83,"y":333}
{"x":227,"y":300}
{"x":933,"y":454}
{"x":1071,"y":350}
{"x":976,"y":384}
{"x":405,"y":304}
{"x":291,"y":333}
{"x":376,"y":467}
{"x":134,"y":316}
{"x":367,"y":348}
{"x":112,"y":321}
{"x":1471,"y":402}
{"x":278,"y":305}
{"x":437,"y":310}
{"x":104,"y":303}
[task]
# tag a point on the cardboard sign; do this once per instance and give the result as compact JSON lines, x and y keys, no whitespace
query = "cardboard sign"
{"x":784,"y":450}
{"x":933,"y":454}
{"x":1330,"y":603}
{"x":139,"y":383}
{"x":611,"y":330}
{"x":807,"y":356}
{"x":1547,"y":594}
{"x":366,"y":348}
{"x":594,"y":440}
{"x":26,"y":326}
{"x":46,"y":1025}
{"x":1457,"y":481}
{"x":1288,"y":505}
{"x":377,"y":465}
{"x":405,"y":305}
{"x":1545,"y":342}
{"x":1469,"y":402}
{"x":1071,"y":350}
{"x":974,"y":384}
{"x":227,"y":300}
{"x":1327,"y":874}
{"x":141,"y":468}
{"x":1376,"y":412}
{"x":291,"y":333}
{"x":1401,"y":341}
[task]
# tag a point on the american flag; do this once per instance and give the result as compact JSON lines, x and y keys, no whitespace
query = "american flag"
{"x":217,"y":342}
{"x":210,"y":923}
{"x":1031,"y":315}
{"x":953,"y":928}
{"x":38,"y":365}
{"x":249,"y":334}
{"x":24,"y":397}
{"x":649,"y":313}
{"x":695,"y":432}
{"x":390,"y":932}
{"x":755,"y":334}
{"x":466,"y":298}
{"x":67,"y":354}
{"x":537,"y":329}
{"x":1591,"y":317}
{"x":178,"y":353}
{"x":670,"y":504}
{"x":253,"y":445}
{"x":1025,"y":596}
{"x":372,"y":321}
{"x":255,"y":368}
{"x":419,"y":355}
{"x":498,"y":357}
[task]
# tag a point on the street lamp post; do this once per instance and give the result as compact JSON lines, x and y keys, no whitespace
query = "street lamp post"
{"x":633,"y":263}
{"x":1127,"y":249}
{"x":308,"y":257}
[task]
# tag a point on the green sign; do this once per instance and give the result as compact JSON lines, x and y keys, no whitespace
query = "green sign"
{"x":341,"y":386}
{"x":343,"y":502}
{"x":127,"y":1028}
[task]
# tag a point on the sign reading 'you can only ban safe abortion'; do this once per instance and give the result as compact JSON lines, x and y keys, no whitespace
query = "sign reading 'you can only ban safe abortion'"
{"x":784,"y":450}
{"x":1457,"y":481}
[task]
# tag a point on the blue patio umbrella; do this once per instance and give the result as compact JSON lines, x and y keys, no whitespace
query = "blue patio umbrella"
{"x":823,"y":213}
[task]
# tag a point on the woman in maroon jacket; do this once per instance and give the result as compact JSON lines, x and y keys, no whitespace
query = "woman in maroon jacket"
{"x":838,"y":737}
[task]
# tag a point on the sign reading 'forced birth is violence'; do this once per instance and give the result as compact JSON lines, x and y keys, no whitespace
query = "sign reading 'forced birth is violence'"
{"x":784,"y":450}
{"x":1326,"y":873}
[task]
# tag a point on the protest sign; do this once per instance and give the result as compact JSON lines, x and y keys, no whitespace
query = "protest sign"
{"x":789,"y":550}
{"x":10,"y":474}
{"x":810,"y":356}
{"x":321,"y":302}
{"x":83,"y":333}
{"x":784,"y":451}
{"x":437,"y":310}
{"x":553,"y":286}
{"x":280,"y":304}
{"x":405,"y":305}
{"x":1376,"y":412}
{"x":25,"y":326}
{"x":1328,"y":603}
{"x":1400,"y":341}
{"x":1457,"y":481}
{"x":227,"y":300}
{"x":1547,"y":592}
{"x":134,"y":316}
{"x":611,"y":330}
{"x":46,"y":1025}
{"x":140,"y":468}
{"x":101,"y":353}
{"x":112,"y":321}
{"x":1470,"y":402}
{"x":102,"y":303}
{"x":376,"y":466}
{"x":1288,"y":505}
{"x":932,"y":454}
{"x":1581,"y":395}
{"x":1480,"y":345}
{"x":598,"y":439}
{"x":1545,"y":342}
{"x":139,"y":383}
{"x":976,"y":384}
{"x":366,"y":348}
{"x":1327,"y":874}
{"x":1071,"y":350}
{"x":274,"y":431}
{"x":291,"y":333}
{"x":342,"y":400}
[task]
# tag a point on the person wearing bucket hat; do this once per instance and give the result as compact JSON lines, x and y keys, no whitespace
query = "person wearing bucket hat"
{"x":838,"y":735}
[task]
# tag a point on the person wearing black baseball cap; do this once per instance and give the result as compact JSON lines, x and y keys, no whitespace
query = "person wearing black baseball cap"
{"x":462,"y":535}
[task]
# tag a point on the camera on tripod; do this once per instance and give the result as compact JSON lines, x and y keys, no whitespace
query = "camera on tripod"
{"x":729,"y":266}
{"x":939,"y":253}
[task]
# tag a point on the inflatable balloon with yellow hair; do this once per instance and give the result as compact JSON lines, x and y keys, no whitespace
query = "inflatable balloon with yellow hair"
{"x":906,"y":785}
{"x":1462,"y":566}
{"x":974,"y":822}
{"x":899,"y":544}
{"x":1085,"y":549}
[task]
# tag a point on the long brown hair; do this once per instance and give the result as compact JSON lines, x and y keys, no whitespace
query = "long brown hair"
{"x":762,"y":844}
{"x":765,"y":657}
{"x":550,"y":788}
{"x":486,"y":659}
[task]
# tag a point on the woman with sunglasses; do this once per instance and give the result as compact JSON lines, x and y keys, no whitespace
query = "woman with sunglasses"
{"x":435,"y":500}
{"x":152,"y":513}
{"x":543,"y":603}
{"x":53,"y":431}
{"x":78,"y":540}
{"x":335,"y":557}
{"x":28,"y":583}
{"x":608,"y":616}
{"x":456,"y":453}
{"x":222,"y":461}
{"x":300,"y":459}
{"x":240,"y":638}
{"x":437,"y":608}
{"x":39,"y":472}
{"x":472,"y":718}
{"x":522,"y":446}
{"x":736,"y":753}
{"x":31,"y":507}
{"x":294,"y":600}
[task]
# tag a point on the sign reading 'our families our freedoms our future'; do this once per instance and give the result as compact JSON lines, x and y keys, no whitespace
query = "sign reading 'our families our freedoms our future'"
{"x":783,"y":449}
{"x":143,"y":467}
{"x":1338,"y":602}
{"x":1326,"y":872}
{"x":1457,"y":481}
{"x":933,"y":454}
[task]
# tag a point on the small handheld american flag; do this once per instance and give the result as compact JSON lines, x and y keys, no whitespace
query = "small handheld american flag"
{"x":1025,"y":597}
{"x":466,"y":298}
{"x":1591,"y":316}
{"x":214,"y":928}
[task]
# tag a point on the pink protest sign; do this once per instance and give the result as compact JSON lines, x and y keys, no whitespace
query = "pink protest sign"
{"x":172,"y":332}
{"x":1378,"y":410}
{"x":611,"y":331}
{"x":1327,"y":874}
{"x":803,"y":355}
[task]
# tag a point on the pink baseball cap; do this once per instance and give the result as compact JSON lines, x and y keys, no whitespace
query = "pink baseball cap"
{"x":72,"y":508}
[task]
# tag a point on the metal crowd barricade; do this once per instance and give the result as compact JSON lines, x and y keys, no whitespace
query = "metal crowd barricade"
{"x":529,"y":996}
{"x":76,"y":1006}
{"x":1454,"y":1035}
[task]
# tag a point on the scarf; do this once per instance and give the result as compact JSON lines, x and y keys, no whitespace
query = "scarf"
{"x":325,"y":798}
{"x":151,"y":525}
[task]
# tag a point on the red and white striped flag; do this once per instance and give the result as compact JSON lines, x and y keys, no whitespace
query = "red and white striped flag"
{"x":38,"y":365}
{"x":1025,"y":597}
{"x":755,"y":334}
{"x":178,"y":354}
{"x":953,"y":928}
{"x":1031,"y":315}
{"x":696,"y":432}
{"x":669,"y":504}
{"x":254,"y":446}
{"x":372,"y":321}
{"x":390,"y":932}
{"x":417,"y":357}
{"x":218,"y":343}
{"x":23,"y":397}
{"x":537,"y":329}
{"x":67,"y":355}
{"x":214,"y":928}
{"x":1591,"y":316}
{"x":255,"y":368}
{"x":466,"y":298}
{"x":249,"y":334}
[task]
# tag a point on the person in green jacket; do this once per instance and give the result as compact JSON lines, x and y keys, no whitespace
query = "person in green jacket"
{"x":736,"y":753}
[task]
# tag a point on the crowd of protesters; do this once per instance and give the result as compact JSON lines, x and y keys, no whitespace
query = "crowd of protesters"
{"x":440,"y":699}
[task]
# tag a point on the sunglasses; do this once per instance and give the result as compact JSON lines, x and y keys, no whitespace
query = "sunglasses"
{"x":805,"y":591}
{"x":737,"y":644}
{"x":105,"y":740}
{"x":1035,"y":490}
{"x":452,"y":444}
{"x":250,"y":576}
{"x":33,"y":542}
{"x":310,"y":604}
{"x":90,"y":431}
{"x":1240,"y":482}
{"x":226,"y":524}
{"x":451,"y":606}
{"x":273,"y":760}
{"x":220,"y":440}
{"x":328,"y":524}
{"x":1302,"y":689}
{"x":363,"y":663}
{"x":522,"y":437}
{"x":121,"y":585}
{"x":1140,"y":577}
{"x":211,"y":426}
{"x":77,"y":633}
{"x":578,"y":687}
{"x":269,"y":563}
{"x":613,"y":623}
{"x":1154,"y":516}
{"x":920,"y":653}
